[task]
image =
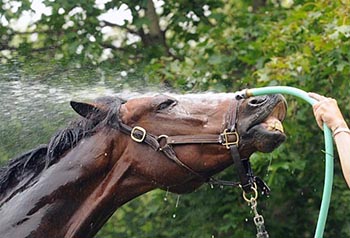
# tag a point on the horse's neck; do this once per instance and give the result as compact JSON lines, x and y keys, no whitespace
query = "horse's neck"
{"x":116,"y":185}
{"x":75,"y":196}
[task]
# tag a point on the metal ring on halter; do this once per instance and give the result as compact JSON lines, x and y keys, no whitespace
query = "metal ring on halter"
{"x":161,"y":137}
{"x":252,"y":198}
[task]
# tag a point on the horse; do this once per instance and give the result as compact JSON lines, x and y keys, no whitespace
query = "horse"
{"x":120,"y":149}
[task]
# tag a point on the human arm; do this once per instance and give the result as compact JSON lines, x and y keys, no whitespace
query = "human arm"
{"x":326,"y":110}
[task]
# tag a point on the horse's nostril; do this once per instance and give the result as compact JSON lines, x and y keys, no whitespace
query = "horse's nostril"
{"x":257,"y":101}
{"x":254,"y":101}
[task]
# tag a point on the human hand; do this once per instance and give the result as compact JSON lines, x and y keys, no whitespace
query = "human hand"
{"x":326,"y":110}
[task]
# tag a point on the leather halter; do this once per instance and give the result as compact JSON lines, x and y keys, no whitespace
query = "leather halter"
{"x":228,"y":138}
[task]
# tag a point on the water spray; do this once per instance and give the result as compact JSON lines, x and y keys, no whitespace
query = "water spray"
{"x":327,"y":188}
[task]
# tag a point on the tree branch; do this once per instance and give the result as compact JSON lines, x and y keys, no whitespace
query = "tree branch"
{"x":5,"y":46}
{"x":107,"y":23}
{"x":133,"y":55}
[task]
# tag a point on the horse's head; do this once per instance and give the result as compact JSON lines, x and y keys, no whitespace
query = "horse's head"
{"x":192,"y":127}
{"x":259,"y":119}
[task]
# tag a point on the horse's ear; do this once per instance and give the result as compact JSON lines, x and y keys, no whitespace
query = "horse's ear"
{"x":86,"y":110}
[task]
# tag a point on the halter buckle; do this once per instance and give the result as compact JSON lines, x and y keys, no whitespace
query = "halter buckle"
{"x":138,"y":138}
{"x":226,"y":135}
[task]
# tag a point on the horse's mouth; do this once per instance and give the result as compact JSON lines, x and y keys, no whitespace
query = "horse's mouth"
{"x":273,"y":123}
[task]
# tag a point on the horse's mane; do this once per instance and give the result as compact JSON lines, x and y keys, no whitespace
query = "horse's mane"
{"x":33,"y":162}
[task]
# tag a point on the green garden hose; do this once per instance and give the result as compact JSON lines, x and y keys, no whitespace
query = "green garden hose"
{"x":327,"y":189}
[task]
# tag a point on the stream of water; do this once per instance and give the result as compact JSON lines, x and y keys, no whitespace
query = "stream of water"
{"x":33,"y":106}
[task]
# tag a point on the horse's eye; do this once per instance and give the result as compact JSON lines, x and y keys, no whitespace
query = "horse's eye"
{"x":166,"y":104}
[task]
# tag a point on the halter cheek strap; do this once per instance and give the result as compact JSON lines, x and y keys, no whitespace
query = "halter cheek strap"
{"x":228,"y":138}
{"x":243,"y":167}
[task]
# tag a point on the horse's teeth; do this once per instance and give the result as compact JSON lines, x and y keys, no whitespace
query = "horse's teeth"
{"x":275,"y":126}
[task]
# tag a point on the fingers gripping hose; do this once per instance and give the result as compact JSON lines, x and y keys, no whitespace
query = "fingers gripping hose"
{"x":327,"y":188}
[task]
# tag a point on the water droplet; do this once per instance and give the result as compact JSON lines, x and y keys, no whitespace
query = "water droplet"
{"x":246,"y":220}
{"x":177,"y":201}
{"x":174,"y":215}
{"x":166,"y":195}
{"x":211,"y":186}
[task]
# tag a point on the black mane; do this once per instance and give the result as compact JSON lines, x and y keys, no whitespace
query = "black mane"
{"x":33,"y":162}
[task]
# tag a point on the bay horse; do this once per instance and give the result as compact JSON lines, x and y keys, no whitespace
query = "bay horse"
{"x":118,"y":150}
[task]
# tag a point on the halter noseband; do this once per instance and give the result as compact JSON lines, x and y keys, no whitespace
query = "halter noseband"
{"x":228,"y":138}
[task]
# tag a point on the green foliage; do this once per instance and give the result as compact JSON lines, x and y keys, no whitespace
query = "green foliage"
{"x":205,"y":45}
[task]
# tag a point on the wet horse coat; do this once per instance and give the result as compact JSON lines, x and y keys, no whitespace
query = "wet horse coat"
{"x":70,"y":187}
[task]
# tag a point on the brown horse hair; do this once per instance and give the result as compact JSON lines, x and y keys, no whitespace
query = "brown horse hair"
{"x":32,"y":163}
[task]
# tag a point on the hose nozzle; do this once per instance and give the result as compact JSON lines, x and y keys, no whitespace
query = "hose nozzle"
{"x":243,"y":94}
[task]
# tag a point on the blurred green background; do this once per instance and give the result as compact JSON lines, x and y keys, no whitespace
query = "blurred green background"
{"x":53,"y":51}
